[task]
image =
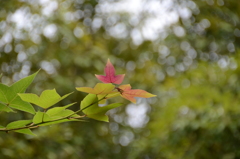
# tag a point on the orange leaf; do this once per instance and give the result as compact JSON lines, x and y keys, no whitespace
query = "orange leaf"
{"x":129,"y":94}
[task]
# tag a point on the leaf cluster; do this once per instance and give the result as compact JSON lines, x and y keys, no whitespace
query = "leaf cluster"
{"x":13,"y":98}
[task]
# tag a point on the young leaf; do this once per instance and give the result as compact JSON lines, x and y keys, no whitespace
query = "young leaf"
{"x":21,"y":85}
{"x":129,"y":94}
{"x":89,"y":101}
{"x":8,"y":94}
{"x":4,"y":91}
{"x":19,"y":104}
{"x":54,"y":111}
{"x":18,"y":124}
{"x":46,"y":99}
{"x":59,"y":112}
{"x":99,"y":117}
{"x":25,"y":131}
{"x":38,"y":117}
{"x":99,"y":113}
{"x":104,"y":108}
{"x":110,"y":76}
{"x":94,"y":111}
{"x":66,"y":113}
{"x":62,"y":114}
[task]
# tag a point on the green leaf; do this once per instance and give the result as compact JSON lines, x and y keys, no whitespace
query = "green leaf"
{"x":53,"y":118}
{"x":25,"y":131}
{"x":62,"y":114}
{"x":111,"y":95}
{"x":19,"y":104}
{"x":100,"y":117}
{"x":38,"y":118}
{"x":18,"y":124}
{"x":104,"y":108}
{"x":46,"y":117}
{"x":56,"y":110}
{"x":90,"y":99}
{"x":21,"y":85}
{"x":66,"y":113}
{"x":5,"y":108}
{"x":59,"y":112}
{"x":99,"y":113}
{"x":8,"y":94}
{"x":58,"y":121}
{"x":46,"y":99}
{"x":94,"y":111}
{"x":4,"y":91}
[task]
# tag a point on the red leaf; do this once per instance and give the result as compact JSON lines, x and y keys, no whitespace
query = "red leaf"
{"x":129,"y":94}
{"x":110,"y":76}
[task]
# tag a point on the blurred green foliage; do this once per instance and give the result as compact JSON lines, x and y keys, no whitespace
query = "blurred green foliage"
{"x":190,"y":64}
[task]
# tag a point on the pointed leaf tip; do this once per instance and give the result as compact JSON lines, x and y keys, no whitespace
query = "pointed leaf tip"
{"x":110,"y":76}
{"x":25,"y":131}
{"x":9,"y":94}
{"x":45,"y":100}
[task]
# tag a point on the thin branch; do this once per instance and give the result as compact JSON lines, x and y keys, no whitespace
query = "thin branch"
{"x":32,"y":125}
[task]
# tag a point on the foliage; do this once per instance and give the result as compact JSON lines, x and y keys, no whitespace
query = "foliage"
{"x":89,"y":106}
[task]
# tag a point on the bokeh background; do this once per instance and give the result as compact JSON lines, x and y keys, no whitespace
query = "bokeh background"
{"x":184,"y":51}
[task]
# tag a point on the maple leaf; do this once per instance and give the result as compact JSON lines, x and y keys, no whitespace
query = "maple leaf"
{"x":129,"y":94}
{"x":110,"y":76}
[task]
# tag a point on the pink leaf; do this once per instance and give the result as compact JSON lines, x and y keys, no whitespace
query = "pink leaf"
{"x":110,"y":76}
